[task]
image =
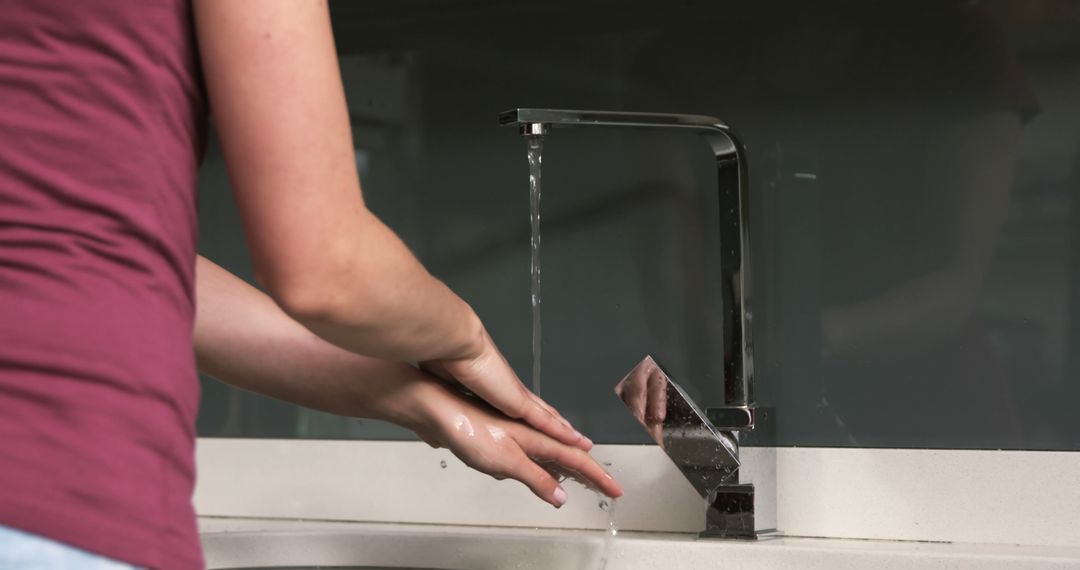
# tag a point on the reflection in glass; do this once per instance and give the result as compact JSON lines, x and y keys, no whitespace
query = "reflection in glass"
{"x":915,"y":202}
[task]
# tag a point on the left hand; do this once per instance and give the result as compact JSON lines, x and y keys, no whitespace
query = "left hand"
{"x":492,"y":443}
{"x":489,"y":376}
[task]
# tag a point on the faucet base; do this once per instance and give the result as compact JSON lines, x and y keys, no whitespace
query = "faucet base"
{"x":730,"y":513}
{"x":745,"y":510}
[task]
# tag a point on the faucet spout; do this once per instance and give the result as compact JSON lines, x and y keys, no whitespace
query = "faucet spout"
{"x":704,"y":446}
{"x":733,"y":187}
{"x":534,"y":129}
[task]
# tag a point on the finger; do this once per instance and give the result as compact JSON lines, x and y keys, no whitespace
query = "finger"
{"x":538,"y":417}
{"x":584,"y":443}
{"x":561,"y":473}
{"x":634,"y":398}
{"x":436,"y":369}
{"x":541,"y":483}
{"x":657,"y":433}
{"x":551,"y":409}
{"x":569,"y":458}
{"x":491,"y":378}
{"x":656,"y":406}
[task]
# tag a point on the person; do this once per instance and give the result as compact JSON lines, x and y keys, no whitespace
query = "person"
{"x":103,"y":113}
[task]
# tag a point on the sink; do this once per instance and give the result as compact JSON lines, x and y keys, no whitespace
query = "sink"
{"x":294,"y":544}
{"x":281,"y":544}
{"x":262,"y":543}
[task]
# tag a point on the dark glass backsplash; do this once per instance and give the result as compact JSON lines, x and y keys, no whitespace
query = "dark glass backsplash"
{"x":915,"y":213}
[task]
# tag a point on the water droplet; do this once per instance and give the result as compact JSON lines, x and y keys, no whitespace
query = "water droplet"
{"x":442,"y":464}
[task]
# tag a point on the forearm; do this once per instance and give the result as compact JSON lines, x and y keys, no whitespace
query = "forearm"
{"x":275,"y":89}
{"x":243,"y":338}
{"x":915,"y":316}
{"x":975,"y":160}
{"x":377,"y":299}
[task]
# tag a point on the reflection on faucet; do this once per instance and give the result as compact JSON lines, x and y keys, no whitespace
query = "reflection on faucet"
{"x":707,"y":457}
{"x":644,"y":391}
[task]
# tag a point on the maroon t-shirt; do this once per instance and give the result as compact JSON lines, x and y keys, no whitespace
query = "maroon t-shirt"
{"x":101,"y":128}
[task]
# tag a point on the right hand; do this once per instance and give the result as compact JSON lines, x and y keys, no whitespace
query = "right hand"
{"x":486,"y":373}
{"x":492,"y":443}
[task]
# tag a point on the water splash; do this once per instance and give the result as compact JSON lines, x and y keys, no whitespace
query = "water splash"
{"x":608,"y":505}
{"x":536,"y":147}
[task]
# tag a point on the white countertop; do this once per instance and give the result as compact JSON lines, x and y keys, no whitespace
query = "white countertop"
{"x":269,"y":543}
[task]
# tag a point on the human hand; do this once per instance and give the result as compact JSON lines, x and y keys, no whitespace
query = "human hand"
{"x":488,"y":375}
{"x":486,"y":440}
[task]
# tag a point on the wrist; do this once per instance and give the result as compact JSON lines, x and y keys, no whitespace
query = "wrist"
{"x":394,"y":392}
{"x":410,"y":402}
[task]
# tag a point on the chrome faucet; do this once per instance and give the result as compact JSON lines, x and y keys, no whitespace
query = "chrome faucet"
{"x":705,"y":446}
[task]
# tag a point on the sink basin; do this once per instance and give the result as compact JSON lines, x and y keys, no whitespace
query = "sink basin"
{"x":293,"y":544}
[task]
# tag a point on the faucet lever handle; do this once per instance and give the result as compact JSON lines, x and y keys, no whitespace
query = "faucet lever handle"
{"x":732,"y":418}
{"x":707,"y":457}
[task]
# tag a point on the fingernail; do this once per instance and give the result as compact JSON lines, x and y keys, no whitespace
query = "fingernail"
{"x":578,"y":435}
{"x":560,"y":496}
{"x":588,"y":441}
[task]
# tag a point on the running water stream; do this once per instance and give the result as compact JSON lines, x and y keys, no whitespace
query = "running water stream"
{"x":536,"y":147}
{"x":608,"y":505}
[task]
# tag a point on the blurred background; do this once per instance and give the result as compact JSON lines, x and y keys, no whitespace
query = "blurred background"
{"x":915,"y":206}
